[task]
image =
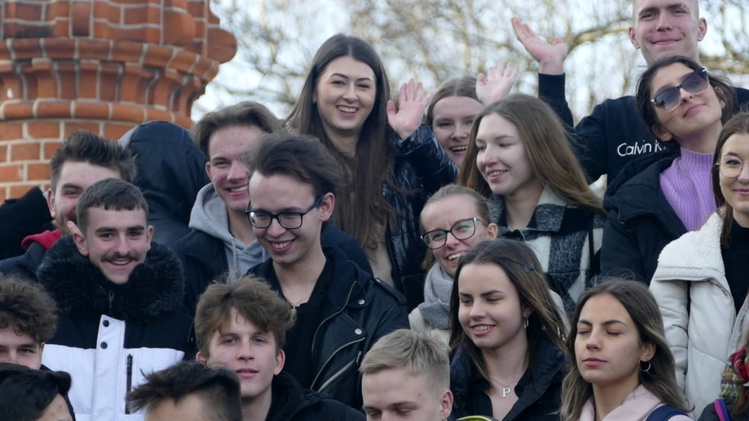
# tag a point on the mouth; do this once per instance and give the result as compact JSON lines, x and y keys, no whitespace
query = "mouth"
{"x":280,"y":245}
{"x":694,"y":109}
{"x":455,"y":256}
{"x":664,"y":41}
{"x":238,"y":189}
{"x":458,"y":149}
{"x":496,"y":173}
{"x":347,"y":110}
{"x":121,"y":261}
{"x":481,"y":329}
{"x":246,"y":372}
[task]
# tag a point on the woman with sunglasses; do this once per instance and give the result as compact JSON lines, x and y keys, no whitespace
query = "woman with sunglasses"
{"x":454,"y":220}
{"x":520,"y":160}
{"x":700,"y":282}
{"x":507,"y":336}
{"x":658,"y":198}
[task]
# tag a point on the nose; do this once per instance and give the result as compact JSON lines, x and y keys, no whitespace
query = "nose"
{"x":477,"y":310}
{"x":11,"y":357}
{"x":664,"y":22}
{"x":238,"y":171}
{"x":450,"y":240}
{"x":744,"y":173}
{"x":462,"y":131}
{"x":593,"y":341}
{"x":486,"y":157}
{"x":350,"y":92}
{"x":275,"y":229}
{"x":245,"y":351}
{"x":121,"y":245}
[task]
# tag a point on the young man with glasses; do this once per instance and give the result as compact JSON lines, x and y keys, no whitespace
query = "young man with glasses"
{"x":340,"y":309}
{"x":222,"y":242}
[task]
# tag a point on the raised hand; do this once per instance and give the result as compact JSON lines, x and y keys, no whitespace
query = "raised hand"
{"x":497,"y":82}
{"x":408,"y":115}
{"x":550,"y":56}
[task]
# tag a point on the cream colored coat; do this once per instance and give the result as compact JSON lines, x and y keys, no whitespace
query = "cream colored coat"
{"x":698,"y":311}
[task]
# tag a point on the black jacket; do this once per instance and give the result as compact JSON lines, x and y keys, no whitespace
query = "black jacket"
{"x":709,"y":414}
{"x":171,"y":171}
{"x":640,"y":221}
{"x":25,"y":265}
{"x":22,"y":217}
{"x":539,"y":391}
{"x":203,"y":259}
{"x":291,"y":403}
{"x":110,"y":336}
{"x":612,"y":135}
{"x":357,"y":312}
{"x":420,"y":170}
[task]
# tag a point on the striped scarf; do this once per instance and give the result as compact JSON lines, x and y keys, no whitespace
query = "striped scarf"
{"x":735,"y":379}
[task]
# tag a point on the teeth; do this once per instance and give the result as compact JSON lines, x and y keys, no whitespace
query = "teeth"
{"x":120,"y":262}
{"x":455,"y":256}
{"x":347,"y":109}
{"x":459,"y":149}
{"x":280,"y":245}
{"x":238,"y":189}
{"x":482,"y":328}
{"x":495,"y":173}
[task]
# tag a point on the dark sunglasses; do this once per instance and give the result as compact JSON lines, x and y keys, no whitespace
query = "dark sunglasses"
{"x":669,"y":98}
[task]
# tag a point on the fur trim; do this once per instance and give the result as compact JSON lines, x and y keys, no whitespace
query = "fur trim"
{"x":80,"y":289}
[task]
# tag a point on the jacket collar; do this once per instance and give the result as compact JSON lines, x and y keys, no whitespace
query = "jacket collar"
{"x":155,"y":287}
{"x":547,"y":217}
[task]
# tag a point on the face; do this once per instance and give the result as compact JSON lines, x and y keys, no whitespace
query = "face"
{"x":443,"y":215}
{"x":502,"y":158}
{"x":695,"y":112}
{"x":282,"y":193}
{"x":667,"y":27}
{"x":20,"y":349}
{"x":733,"y":155}
{"x":345,"y":94}
{"x":56,"y":411}
{"x":75,"y":177}
{"x":240,"y":346}
{"x":189,"y":408}
{"x":607,"y":346}
{"x":225,"y":168}
{"x":394,"y":394}
{"x":115,"y":241}
{"x":452,"y":121}
{"x":489,"y":310}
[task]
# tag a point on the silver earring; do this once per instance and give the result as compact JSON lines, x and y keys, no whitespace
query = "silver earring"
{"x":525,"y":323}
{"x":647,"y":369}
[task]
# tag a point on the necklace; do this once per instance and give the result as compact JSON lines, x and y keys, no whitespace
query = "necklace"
{"x":506,"y":389}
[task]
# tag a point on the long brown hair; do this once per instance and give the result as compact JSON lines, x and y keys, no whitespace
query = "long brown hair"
{"x":643,"y":310}
{"x":523,"y":269}
{"x":738,"y":124}
{"x":459,"y":86}
{"x":546,"y":145}
{"x":362,"y":206}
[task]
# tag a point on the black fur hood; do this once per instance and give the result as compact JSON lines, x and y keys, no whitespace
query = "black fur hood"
{"x":155,"y":288}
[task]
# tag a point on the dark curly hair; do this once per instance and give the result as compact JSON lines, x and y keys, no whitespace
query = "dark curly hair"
{"x":27,"y":308}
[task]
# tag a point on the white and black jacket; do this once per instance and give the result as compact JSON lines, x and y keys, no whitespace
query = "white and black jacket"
{"x":110,"y":336}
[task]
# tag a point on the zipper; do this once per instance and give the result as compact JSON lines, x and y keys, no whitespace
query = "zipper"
{"x":111,"y":300}
{"x":129,"y":380}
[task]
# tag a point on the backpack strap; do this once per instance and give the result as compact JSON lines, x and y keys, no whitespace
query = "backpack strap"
{"x":721,"y":410}
{"x":664,"y":413}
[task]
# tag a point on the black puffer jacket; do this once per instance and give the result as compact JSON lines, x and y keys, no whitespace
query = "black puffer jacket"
{"x":640,"y":220}
{"x":358,"y":311}
{"x":420,"y":170}
{"x":290,"y":403}
{"x":539,"y":391}
{"x":171,"y":171}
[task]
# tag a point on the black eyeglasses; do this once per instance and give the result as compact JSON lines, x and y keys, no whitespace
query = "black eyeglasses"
{"x":288,"y":220}
{"x":461,"y":230}
{"x":730,"y":167}
{"x":669,"y":98}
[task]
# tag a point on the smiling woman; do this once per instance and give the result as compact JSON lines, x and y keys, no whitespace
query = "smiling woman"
{"x":392,"y":163}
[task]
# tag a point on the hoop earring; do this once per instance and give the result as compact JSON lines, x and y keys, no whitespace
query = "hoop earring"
{"x":525,"y":323}
{"x":647,"y":369}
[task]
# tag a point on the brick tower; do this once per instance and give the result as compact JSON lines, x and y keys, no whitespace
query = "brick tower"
{"x":99,"y":65}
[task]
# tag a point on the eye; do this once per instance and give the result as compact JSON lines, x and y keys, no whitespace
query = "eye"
{"x":583,"y":331}
{"x":28,"y":351}
{"x":364,"y":86}
{"x":469,"y":122}
{"x":337,"y":82}
{"x":260,"y":340}
{"x":466,"y":301}
{"x":230,"y":341}
{"x":614,"y":333}
{"x":444,"y":124}
{"x":732,"y":162}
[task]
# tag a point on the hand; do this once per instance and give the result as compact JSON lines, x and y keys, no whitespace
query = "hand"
{"x":550,"y":57}
{"x":497,"y":82}
{"x":412,"y":102}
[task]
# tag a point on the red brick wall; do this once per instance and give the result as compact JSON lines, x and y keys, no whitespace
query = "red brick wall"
{"x":100,"y":65}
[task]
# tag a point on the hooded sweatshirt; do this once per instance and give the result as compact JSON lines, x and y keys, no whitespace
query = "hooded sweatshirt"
{"x":210,"y":215}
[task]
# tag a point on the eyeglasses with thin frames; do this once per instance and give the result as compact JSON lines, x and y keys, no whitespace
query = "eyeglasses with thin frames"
{"x":695,"y":83}
{"x":287,"y":219}
{"x":730,"y":167}
{"x":461,"y":230}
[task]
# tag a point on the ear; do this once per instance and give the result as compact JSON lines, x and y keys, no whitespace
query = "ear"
{"x":647,"y":351}
{"x":51,"y":202}
{"x":280,"y":360}
{"x":201,"y":357}
{"x":661,"y":133}
{"x":633,"y":38}
{"x":491,"y":230}
{"x":527,"y":311}
{"x":721,"y":95}
{"x":41,"y":348}
{"x":78,"y":238}
{"x":701,"y":29}
{"x":446,"y":404}
{"x":149,"y":236}
{"x":327,"y":206}
{"x":208,"y":170}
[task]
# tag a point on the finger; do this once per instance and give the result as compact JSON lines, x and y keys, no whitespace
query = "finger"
{"x":391,"y":110}
{"x":491,"y":74}
{"x":403,"y":94}
{"x":428,"y":98}
{"x":480,"y":80}
{"x":419,"y":94}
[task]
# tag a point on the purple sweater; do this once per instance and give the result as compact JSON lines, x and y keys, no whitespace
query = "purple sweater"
{"x":688,"y":189}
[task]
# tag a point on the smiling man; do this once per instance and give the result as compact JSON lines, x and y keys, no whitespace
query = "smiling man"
{"x":242,"y":328}
{"x":614,"y":134}
{"x":83,"y":159}
{"x":120,"y":300}
{"x":341,"y":310}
